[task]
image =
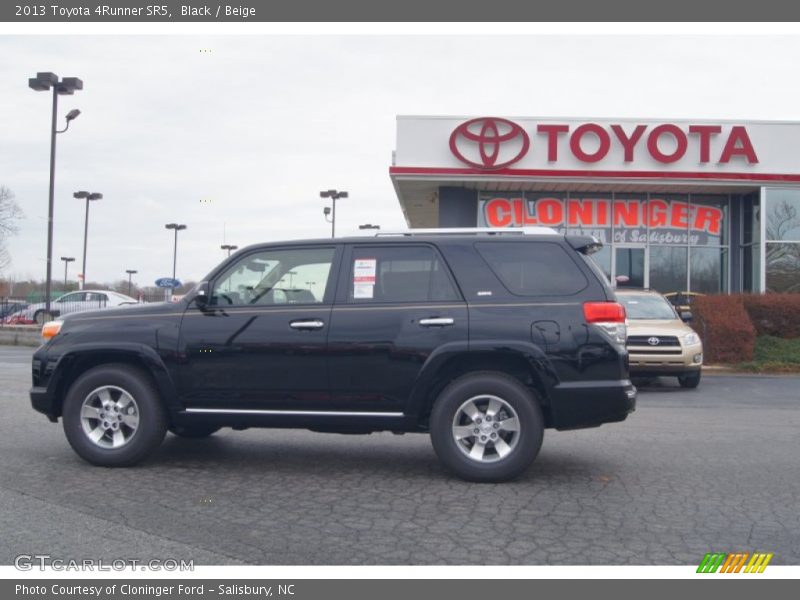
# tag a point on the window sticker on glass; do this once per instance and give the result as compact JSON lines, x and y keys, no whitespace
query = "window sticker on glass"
{"x":364,"y":277}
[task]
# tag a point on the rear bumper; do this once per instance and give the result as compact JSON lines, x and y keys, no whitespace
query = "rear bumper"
{"x":577,"y":405}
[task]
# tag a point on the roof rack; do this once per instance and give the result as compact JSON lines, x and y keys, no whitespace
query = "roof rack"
{"x":472,"y":231}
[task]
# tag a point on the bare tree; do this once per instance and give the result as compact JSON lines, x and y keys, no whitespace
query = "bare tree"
{"x":782,"y":219}
{"x":10,"y":212}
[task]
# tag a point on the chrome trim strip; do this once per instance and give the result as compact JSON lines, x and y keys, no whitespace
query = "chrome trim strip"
{"x":297,"y":413}
{"x":327,"y":307}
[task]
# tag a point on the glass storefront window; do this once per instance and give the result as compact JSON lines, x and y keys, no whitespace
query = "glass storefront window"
{"x":683,"y":239}
{"x":629,"y":218}
{"x":668,"y":266}
{"x":668,"y":219}
{"x":783,"y":215}
{"x":783,"y":267}
{"x":751,"y":223}
{"x":708,"y":268}
{"x":708,"y":220}
{"x":590,"y":214}
{"x":751,"y":268}
{"x":603,"y":259}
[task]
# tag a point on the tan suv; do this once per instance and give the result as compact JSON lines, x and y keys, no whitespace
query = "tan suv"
{"x":659,"y":341}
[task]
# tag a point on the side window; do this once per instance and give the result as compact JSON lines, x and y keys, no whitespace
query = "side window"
{"x":533,"y":268}
{"x":69,"y":298}
{"x":287,"y":276}
{"x":398,"y":274}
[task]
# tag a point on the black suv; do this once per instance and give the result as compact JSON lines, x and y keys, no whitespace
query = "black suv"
{"x":481,"y":339}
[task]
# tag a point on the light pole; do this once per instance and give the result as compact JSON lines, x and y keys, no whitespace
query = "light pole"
{"x":334,"y":196}
{"x":65,"y":87}
{"x":131,"y":273}
{"x":89,"y":197}
{"x":177,"y":227}
{"x":229,"y":247}
{"x":369,"y":226}
{"x":291,"y":275}
{"x":67,"y":260}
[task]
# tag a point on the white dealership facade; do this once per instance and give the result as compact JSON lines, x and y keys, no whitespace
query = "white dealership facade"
{"x":681,"y":205}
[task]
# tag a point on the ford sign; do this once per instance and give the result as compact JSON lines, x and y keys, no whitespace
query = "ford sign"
{"x":168,"y":282}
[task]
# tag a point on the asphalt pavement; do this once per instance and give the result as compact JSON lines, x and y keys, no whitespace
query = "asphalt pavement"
{"x":712,"y":469}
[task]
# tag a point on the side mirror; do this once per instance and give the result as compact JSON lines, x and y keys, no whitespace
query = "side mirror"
{"x":201,"y":296}
{"x":686,"y":316}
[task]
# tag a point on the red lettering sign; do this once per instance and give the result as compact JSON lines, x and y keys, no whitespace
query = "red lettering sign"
{"x":602,"y":136}
{"x":593,"y":212}
{"x":492,"y":143}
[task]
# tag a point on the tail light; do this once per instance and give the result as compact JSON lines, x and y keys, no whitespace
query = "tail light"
{"x":609,"y":316}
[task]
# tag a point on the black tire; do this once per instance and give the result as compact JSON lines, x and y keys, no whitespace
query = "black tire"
{"x":453,"y":454}
{"x":689,"y":380}
{"x":42,"y":316}
{"x":151,"y":425}
{"x":193,"y":431}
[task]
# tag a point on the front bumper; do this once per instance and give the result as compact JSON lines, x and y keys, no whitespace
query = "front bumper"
{"x":45,"y":383}
{"x":44,"y":402}
{"x":667,"y":361}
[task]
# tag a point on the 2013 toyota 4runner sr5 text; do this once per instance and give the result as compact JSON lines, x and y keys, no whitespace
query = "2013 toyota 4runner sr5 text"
{"x":482,"y":339}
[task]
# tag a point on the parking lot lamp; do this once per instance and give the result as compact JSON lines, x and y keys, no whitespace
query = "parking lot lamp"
{"x":67,"y":260}
{"x":89,"y":197}
{"x":61,"y":87}
{"x":369,"y":226}
{"x":131,"y":273}
{"x":177,"y":227}
{"x":229,"y":247}
{"x":334,"y":195}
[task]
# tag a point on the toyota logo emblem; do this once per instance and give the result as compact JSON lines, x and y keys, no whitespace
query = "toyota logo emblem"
{"x":653,"y":341}
{"x":489,"y":143}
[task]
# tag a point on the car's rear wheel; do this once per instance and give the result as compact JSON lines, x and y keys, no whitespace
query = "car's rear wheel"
{"x":689,"y":380}
{"x":193,"y":431}
{"x":487,"y":427}
{"x":42,"y":316}
{"x":113,"y":416}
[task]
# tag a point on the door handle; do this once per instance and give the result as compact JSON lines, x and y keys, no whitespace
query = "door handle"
{"x":436,"y":322}
{"x":307,"y":324}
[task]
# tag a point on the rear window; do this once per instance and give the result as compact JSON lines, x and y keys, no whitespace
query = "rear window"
{"x":533,"y":268}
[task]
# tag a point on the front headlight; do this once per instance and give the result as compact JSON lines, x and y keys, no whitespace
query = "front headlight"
{"x":690,"y":339}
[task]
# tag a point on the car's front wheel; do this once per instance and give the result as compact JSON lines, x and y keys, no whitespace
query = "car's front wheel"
{"x":113,"y":416}
{"x":487,"y":427}
{"x":689,"y":380}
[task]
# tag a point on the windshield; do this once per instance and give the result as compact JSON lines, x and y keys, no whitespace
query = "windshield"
{"x":647,"y":307}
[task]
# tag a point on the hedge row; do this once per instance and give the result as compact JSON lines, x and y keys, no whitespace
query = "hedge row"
{"x":730,"y":323}
{"x":777,"y":315}
{"x":723,"y":324}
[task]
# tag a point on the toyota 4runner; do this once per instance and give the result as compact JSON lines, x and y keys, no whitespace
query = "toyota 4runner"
{"x":481,"y":339}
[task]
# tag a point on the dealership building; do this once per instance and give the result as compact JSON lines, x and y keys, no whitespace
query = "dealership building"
{"x":695,"y":205}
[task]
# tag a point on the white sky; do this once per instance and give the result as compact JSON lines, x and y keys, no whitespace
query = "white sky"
{"x":260,"y":124}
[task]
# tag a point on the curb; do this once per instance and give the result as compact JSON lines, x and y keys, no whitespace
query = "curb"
{"x":20,"y":336}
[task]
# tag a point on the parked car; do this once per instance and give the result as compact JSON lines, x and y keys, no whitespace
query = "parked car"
{"x":682,"y":301}
{"x":8,"y":307}
{"x":480,"y":339}
{"x":75,"y":302}
{"x":659,"y":340}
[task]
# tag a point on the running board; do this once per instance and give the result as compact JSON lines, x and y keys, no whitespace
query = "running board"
{"x":292,"y":413}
